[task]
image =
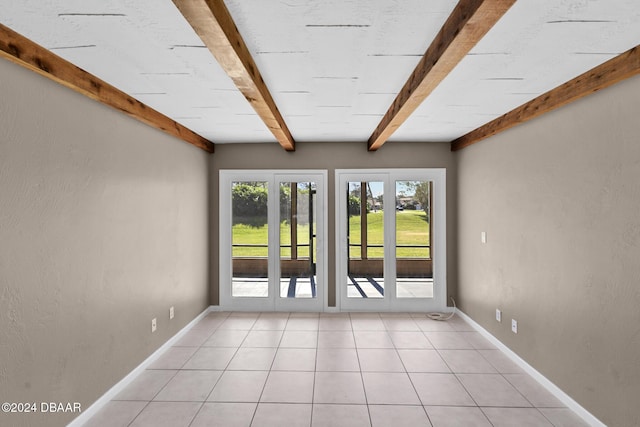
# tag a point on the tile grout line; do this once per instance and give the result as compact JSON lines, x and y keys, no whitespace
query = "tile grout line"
{"x":461,"y":383}
{"x":477,"y":347}
{"x":456,"y":374}
{"x":313,"y":387}
{"x":223,"y":371}
{"x":141,"y":411}
{"x":407,"y":372}
{"x":457,"y":378}
{"x":502,"y":374}
{"x":177,"y":371}
{"x":217,"y":328}
{"x":255,"y":411}
{"x":364,"y":389}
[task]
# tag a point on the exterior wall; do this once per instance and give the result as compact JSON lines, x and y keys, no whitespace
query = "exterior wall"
{"x":332,"y":156}
{"x":559,"y":198}
{"x":103,"y":226}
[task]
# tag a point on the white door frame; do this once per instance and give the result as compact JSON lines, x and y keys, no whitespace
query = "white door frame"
{"x":273,"y":302}
{"x":438,"y":240}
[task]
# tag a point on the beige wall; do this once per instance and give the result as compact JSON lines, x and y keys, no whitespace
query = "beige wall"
{"x":102,"y":227}
{"x":332,"y":156}
{"x":559,"y":198}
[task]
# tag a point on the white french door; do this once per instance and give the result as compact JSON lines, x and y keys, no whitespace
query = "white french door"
{"x":390,"y":233}
{"x":272,"y":240}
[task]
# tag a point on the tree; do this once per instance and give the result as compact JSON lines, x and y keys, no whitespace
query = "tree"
{"x":421,"y":194}
{"x":354,"y":199}
{"x":249,"y":203}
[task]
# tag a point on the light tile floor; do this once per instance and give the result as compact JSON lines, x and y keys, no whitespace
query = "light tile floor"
{"x":312,"y":370}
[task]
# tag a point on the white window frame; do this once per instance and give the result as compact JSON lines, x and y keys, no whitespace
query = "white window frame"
{"x":273,"y":302}
{"x":438,"y":240}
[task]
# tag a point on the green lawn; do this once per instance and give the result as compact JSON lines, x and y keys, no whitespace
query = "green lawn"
{"x":250,"y":235}
{"x":412,"y":229}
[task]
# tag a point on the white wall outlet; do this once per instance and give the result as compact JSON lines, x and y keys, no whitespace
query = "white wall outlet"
{"x":514,"y":326}
{"x":483,"y":237}
{"x":171,"y":313}
{"x":154,"y":326}
{"x":498,"y":315}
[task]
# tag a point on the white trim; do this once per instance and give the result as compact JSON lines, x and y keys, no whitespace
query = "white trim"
{"x":123,"y":383}
{"x":271,"y":302}
{"x":319,"y":303}
{"x":439,"y":241}
{"x":542,"y":380}
{"x":342,"y":177}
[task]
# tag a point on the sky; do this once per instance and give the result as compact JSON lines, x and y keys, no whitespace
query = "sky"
{"x":377,"y":188}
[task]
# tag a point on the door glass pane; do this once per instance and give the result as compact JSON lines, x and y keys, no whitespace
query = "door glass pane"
{"x":365,"y":239}
{"x":298,"y":240}
{"x":249,"y":239}
{"x":414,"y":269}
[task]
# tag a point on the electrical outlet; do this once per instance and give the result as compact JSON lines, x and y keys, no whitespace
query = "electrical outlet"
{"x":514,"y":326}
{"x":154,"y":326}
{"x":498,"y":315}
{"x":483,"y":237}
{"x":171,"y":312}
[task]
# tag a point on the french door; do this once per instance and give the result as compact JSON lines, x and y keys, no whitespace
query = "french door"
{"x":272,"y":240}
{"x":390,"y":233}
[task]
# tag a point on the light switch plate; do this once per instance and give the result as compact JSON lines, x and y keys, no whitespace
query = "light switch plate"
{"x":154,"y":326}
{"x":498,"y":315}
{"x":514,"y":326}
{"x":483,"y":237}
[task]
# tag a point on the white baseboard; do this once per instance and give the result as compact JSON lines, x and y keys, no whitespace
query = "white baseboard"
{"x":551,"y":387}
{"x":123,"y":383}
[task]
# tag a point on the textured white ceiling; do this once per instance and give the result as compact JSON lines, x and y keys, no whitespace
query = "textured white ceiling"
{"x":332,"y":66}
{"x":148,"y":50}
{"x":536,"y":46}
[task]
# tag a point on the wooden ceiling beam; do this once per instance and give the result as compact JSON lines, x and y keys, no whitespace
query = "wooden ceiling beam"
{"x":213,"y":23}
{"x":22,"y":51}
{"x":613,"y":71}
{"x":467,"y":24}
